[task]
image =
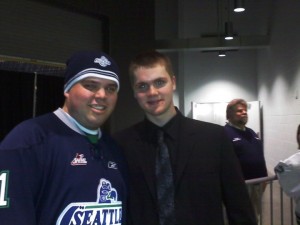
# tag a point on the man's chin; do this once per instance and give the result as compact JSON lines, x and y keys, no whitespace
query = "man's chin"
{"x":243,"y":123}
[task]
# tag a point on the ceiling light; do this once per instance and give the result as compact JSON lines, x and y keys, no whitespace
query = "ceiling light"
{"x":239,"y":6}
{"x":228,"y":31}
{"x":222,"y":54}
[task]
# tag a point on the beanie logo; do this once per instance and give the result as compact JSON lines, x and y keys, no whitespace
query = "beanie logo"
{"x":103,"y":61}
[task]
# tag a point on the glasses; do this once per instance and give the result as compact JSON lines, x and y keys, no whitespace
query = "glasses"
{"x":143,"y":87}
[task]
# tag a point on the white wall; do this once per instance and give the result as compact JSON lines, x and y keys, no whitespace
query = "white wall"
{"x":209,"y":78}
{"x":279,"y":83}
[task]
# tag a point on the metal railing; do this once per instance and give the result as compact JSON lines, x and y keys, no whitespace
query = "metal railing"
{"x":275,"y":207}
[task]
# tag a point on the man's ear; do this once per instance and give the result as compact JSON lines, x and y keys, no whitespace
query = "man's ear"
{"x":174,"y":82}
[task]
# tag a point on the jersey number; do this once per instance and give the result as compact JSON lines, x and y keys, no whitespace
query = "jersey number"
{"x":4,"y":201}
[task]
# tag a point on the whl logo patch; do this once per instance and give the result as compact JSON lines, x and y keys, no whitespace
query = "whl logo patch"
{"x":79,"y":160}
{"x":106,"y":210}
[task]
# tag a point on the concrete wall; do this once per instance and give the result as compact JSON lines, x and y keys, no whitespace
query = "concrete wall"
{"x":279,"y":83}
{"x":209,"y":78}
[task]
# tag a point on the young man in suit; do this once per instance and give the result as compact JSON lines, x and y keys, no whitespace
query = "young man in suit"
{"x":205,"y":172}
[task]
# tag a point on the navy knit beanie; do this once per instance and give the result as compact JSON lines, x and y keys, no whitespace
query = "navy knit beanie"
{"x":90,"y":64}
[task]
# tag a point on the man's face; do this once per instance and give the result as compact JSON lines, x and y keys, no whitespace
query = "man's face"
{"x":153,"y":88}
{"x":239,"y":116}
{"x":91,"y":101}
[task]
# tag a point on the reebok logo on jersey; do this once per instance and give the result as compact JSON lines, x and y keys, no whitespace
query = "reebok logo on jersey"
{"x":107,"y":210}
{"x":112,"y":165}
{"x":236,"y":139}
{"x":79,"y":160}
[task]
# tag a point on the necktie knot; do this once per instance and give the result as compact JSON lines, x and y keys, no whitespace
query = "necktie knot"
{"x":160,"y":137}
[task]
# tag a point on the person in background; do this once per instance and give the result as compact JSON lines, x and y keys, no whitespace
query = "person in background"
{"x":199,"y":165}
{"x":61,"y":168}
{"x":248,"y":148}
{"x":288,"y":174}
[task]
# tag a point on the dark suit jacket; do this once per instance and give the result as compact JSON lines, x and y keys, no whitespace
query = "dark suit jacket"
{"x":207,"y":174}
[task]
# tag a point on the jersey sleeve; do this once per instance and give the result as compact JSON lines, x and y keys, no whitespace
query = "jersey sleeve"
{"x":19,"y":175}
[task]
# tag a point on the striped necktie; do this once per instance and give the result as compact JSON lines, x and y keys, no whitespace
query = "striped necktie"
{"x":164,"y":183}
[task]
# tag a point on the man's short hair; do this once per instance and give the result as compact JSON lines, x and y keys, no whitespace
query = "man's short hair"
{"x":149,"y":59}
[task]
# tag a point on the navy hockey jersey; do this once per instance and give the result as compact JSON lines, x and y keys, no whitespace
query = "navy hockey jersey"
{"x":51,"y":174}
{"x":249,"y":150}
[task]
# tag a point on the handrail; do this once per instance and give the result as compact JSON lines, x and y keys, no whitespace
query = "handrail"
{"x":272,"y":194}
{"x":261,"y":179}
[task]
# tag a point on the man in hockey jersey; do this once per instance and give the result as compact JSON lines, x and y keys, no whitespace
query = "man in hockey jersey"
{"x":60,"y":168}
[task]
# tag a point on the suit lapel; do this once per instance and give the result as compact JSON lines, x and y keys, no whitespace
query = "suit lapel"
{"x":185,"y":147}
{"x":146,"y":160}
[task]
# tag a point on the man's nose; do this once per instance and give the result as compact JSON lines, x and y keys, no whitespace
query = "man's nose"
{"x":152,"y":90}
{"x":100,"y":93}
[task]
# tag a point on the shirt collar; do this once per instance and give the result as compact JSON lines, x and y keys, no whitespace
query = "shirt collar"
{"x":170,"y":128}
{"x":70,"y":122}
{"x":232,"y":125}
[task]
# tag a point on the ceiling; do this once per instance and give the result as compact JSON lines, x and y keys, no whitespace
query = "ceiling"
{"x":205,"y":16}
{"x":203,"y":25}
